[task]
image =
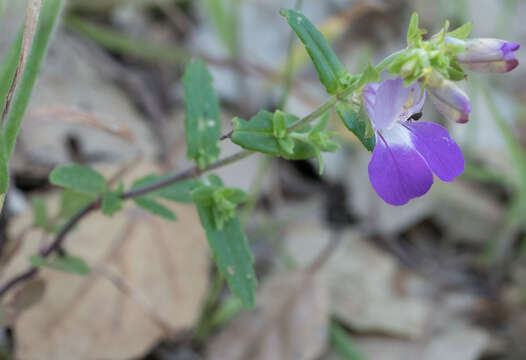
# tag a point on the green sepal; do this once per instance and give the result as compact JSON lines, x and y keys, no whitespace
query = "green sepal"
{"x":358,"y":123}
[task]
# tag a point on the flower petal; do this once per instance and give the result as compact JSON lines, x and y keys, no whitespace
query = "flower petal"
{"x":398,"y":172}
{"x":417,"y":95}
{"x":451,"y":101}
{"x":369,"y":98}
{"x":390,"y":99}
{"x":436,"y":146}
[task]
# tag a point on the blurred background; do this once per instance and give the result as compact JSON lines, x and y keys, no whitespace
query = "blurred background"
{"x":443,"y":277}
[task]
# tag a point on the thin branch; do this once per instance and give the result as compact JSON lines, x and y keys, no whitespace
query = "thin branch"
{"x":174,"y":178}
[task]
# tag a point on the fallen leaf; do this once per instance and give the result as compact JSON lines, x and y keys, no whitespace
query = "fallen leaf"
{"x":289,"y":322}
{"x":149,"y":277}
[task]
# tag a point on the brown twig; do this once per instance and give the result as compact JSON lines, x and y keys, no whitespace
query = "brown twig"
{"x":96,"y":204}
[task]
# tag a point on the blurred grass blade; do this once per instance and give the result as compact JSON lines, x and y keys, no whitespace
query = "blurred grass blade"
{"x":342,"y":344}
{"x":224,"y":13}
{"x":46,"y":24}
{"x":202,"y":117}
{"x":126,"y":45}
{"x":518,"y":158}
{"x":8,"y":70}
{"x":325,"y":61}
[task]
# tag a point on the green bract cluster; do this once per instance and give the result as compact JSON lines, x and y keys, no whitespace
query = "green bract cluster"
{"x":222,"y":200}
{"x":276,"y":134}
{"x":422,"y":57}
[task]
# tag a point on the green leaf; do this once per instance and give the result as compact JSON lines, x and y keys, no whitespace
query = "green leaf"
{"x":178,"y":192}
{"x":8,"y":70}
{"x":369,"y":75}
{"x":40,"y":216}
{"x":329,"y":68}
{"x":67,"y":263}
{"x":111,"y":202}
{"x":462,"y":32}
{"x":46,"y":24}
{"x":79,"y":178}
{"x":155,"y":208}
{"x":357,"y":122}
{"x":258,"y":135}
{"x":231,"y":254}
{"x":202,"y":121}
{"x":72,"y":202}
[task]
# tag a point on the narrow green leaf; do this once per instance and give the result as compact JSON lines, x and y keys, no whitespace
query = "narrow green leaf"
{"x":46,"y":24}
{"x":329,"y":67}
{"x":224,"y":15}
{"x":135,"y":47}
{"x":8,"y":70}
{"x":155,"y":208}
{"x":462,"y":32}
{"x":40,"y":216}
{"x":202,"y":121}
{"x":69,"y":264}
{"x":342,"y":344}
{"x":231,"y":254}
{"x":357,"y":123}
{"x":111,"y":202}
{"x":79,"y":178}
{"x":4,"y":167}
{"x":178,"y":192}
{"x":258,"y":135}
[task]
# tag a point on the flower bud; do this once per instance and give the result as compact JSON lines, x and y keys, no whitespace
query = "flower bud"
{"x":450,"y":100}
{"x":488,"y":55}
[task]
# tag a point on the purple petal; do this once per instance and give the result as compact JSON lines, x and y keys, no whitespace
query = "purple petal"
{"x":449,"y":112}
{"x":369,"y":97}
{"x":498,"y":67}
{"x":390,"y":99}
{"x":451,"y":100}
{"x":418,"y":105}
{"x":398,"y":172}
{"x":441,"y":152}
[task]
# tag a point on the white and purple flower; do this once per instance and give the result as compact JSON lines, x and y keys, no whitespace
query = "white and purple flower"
{"x":407,"y":153}
{"x":450,"y":100}
{"x":487,"y":55}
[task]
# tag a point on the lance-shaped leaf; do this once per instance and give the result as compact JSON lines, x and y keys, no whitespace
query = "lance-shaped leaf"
{"x":202,"y":121}
{"x":358,"y":123}
{"x":66,"y":263}
{"x":155,"y":208}
{"x":462,"y":32}
{"x":78,"y":178}
{"x":329,"y":67}
{"x":229,"y":243}
{"x":259,"y":134}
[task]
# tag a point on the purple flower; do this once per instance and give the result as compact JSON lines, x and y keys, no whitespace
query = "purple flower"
{"x":487,"y":55}
{"x":450,"y":100}
{"x":407,"y":153}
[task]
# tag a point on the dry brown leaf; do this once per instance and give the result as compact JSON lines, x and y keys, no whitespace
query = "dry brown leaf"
{"x":161,"y":265}
{"x":289,"y":322}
